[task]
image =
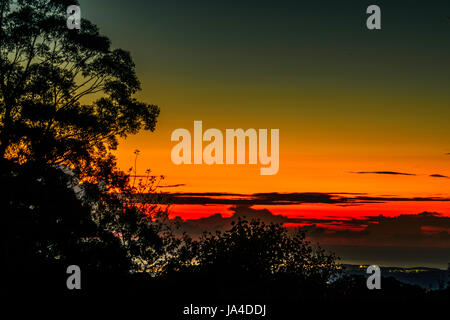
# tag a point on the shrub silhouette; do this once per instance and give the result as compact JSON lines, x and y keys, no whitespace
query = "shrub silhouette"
{"x":255,"y":259}
{"x":259,"y":248}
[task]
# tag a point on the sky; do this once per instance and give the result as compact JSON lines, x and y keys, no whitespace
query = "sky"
{"x":362,"y":114}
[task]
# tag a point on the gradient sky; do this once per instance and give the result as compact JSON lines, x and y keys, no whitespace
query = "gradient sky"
{"x":345,"y":99}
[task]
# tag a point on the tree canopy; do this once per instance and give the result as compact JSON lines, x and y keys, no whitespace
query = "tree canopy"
{"x":65,"y":95}
{"x":259,"y":249}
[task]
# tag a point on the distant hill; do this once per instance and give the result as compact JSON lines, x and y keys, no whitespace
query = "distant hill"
{"x":428,"y":278}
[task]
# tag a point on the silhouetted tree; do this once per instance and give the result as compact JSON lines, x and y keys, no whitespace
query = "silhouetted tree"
{"x":140,"y":222}
{"x":259,"y":251}
{"x":46,"y":71}
{"x":65,"y":98}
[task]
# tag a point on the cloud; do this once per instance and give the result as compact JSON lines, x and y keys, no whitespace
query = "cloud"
{"x":398,"y":173}
{"x":408,"y":230}
{"x":172,"y":185}
{"x":427,"y":229}
{"x":439,"y":176}
{"x":275,"y":198}
{"x":257,"y":198}
{"x":385,"y":172}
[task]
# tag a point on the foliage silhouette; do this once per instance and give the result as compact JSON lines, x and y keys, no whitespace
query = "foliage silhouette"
{"x":65,"y":98}
{"x":47,"y":72}
{"x":253,"y":260}
{"x":254,"y":247}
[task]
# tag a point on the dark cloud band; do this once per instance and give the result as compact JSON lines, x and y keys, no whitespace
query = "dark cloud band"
{"x":275,"y":198}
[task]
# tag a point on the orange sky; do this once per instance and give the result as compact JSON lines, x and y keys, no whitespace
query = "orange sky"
{"x":345,"y":99}
{"x":302,"y":169}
